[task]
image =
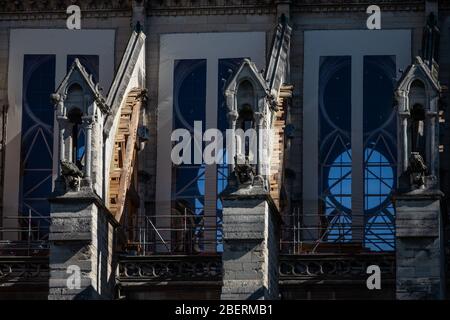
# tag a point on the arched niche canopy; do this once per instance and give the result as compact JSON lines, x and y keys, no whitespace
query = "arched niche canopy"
{"x":79,"y":108}
{"x":249,"y":107}
{"x":417,"y":96}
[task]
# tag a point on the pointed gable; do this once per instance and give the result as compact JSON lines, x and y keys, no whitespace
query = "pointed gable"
{"x":77,"y":75}
{"x":418,"y":71}
{"x":247,"y":71}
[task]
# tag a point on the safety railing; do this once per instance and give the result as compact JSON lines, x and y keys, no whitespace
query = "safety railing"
{"x":24,"y":235}
{"x":340,"y":232}
{"x":172,"y":234}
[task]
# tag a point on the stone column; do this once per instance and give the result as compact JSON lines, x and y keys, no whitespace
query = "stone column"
{"x":420,"y":254}
{"x":403,"y":138}
{"x":88,"y":123}
{"x":62,"y":126}
{"x":433,"y":149}
{"x":250,"y":233}
{"x":231,"y":145}
{"x":259,"y":119}
{"x":62,"y":123}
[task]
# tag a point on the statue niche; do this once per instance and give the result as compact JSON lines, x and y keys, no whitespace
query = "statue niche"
{"x":417,"y":130}
{"x":80,"y":110}
{"x":246,"y":138}
{"x":249,"y":113}
{"x":77,"y":138}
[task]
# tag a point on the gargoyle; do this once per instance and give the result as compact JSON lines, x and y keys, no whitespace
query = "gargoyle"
{"x":71,"y":174}
{"x":244,"y":171}
{"x":417,"y":169}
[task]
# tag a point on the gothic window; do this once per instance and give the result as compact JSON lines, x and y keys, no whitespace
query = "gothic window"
{"x":348,"y":108}
{"x":335,"y":148}
{"x":380,"y":152}
{"x":338,"y":219}
{"x":245,"y":122}
{"x":418,"y":129}
{"x":189,"y":179}
{"x":77,"y":137}
{"x":37,"y":137}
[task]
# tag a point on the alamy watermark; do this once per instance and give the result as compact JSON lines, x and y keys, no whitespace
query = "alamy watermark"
{"x":374,"y":20}
{"x":73,"y":22}
{"x":73,"y":281}
{"x":374,"y":280}
{"x":251,"y":146}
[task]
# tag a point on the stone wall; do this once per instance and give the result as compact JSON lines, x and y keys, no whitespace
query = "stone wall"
{"x":272,"y":252}
{"x":81,"y":236}
{"x":419,"y":247}
{"x":250,"y":266}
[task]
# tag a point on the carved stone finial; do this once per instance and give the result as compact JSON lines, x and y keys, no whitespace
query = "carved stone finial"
{"x":55,"y":98}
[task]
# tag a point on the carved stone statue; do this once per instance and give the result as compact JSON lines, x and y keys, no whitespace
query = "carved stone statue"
{"x":244,"y":171}
{"x":72,"y":175}
{"x":417,"y":169}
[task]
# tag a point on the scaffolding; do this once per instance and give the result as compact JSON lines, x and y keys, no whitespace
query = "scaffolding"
{"x":181,"y":234}
{"x":24,"y":235}
{"x":321,"y":233}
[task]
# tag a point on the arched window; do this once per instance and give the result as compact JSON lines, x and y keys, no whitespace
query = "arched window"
{"x":418,"y":129}
{"x":245,"y":122}
{"x":380,"y":152}
{"x":77,"y":137}
{"x":188,"y":197}
{"x":245,"y":94}
{"x":335,"y":202}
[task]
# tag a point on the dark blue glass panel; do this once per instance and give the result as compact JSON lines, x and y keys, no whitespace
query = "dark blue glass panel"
{"x":380,"y":153}
{"x":189,"y":93}
{"x":189,"y":103}
{"x":335,"y":163}
{"x":90,"y":63}
{"x":37,"y":136}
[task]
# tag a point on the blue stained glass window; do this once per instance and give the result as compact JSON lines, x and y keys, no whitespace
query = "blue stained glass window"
{"x":189,"y":103}
{"x":37,"y":138}
{"x":335,"y":165}
{"x":380,"y":153}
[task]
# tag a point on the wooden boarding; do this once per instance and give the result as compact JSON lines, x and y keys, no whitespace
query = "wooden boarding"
{"x":277,"y":158}
{"x":124,"y":158}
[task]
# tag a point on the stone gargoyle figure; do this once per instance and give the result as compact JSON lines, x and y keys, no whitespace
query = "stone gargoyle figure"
{"x":244,"y":171}
{"x":71,"y":174}
{"x":417,"y":169}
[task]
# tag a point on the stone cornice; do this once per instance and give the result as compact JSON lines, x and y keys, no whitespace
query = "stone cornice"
{"x":56,"y":9}
{"x":210,"y":7}
{"x":324,"y":6}
{"x":48,"y":9}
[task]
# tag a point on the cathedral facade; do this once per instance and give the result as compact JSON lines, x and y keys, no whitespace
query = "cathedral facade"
{"x":224,"y":149}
